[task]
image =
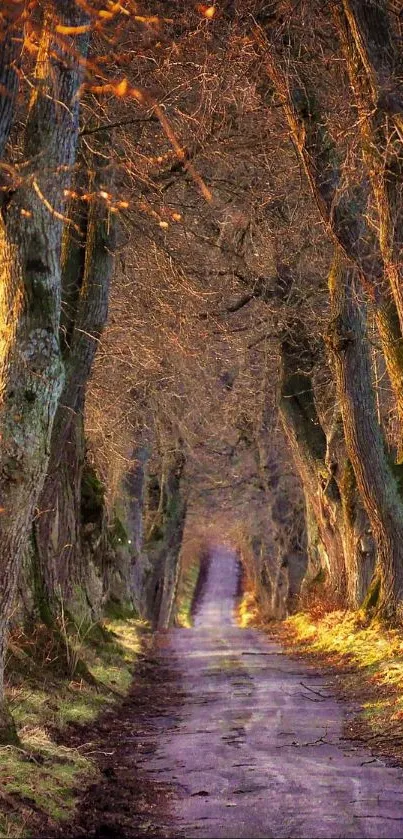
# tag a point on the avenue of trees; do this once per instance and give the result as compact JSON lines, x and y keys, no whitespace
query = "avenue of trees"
{"x":201,"y":303}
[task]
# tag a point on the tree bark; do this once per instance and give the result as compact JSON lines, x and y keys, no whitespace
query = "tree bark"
{"x":375,"y":66}
{"x":364,"y":441}
{"x":343,"y":213}
{"x":31,"y":369}
{"x":58,"y":523}
{"x":11,"y":39}
{"x":358,"y":542}
{"x":135,"y":487}
{"x":308,"y":443}
{"x":163,"y":542}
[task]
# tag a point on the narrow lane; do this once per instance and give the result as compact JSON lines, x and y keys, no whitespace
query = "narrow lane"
{"x":258,"y":749}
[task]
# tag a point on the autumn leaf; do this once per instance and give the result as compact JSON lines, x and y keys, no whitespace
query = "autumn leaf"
{"x":207,"y":11}
{"x":72,"y":30}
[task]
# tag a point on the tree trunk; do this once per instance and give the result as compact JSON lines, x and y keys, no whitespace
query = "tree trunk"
{"x":358,"y":542}
{"x":11,"y":39}
{"x":375,"y":66}
{"x":135,"y":485}
{"x":308,"y":443}
{"x":344,"y":212}
{"x":164,"y":540}
{"x":31,"y":370}
{"x":58,"y":523}
{"x":317,"y":557}
{"x":364,"y":441}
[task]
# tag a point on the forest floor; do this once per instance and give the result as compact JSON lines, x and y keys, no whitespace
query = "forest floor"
{"x":365,"y":661}
{"x":59,"y":681}
{"x":224,"y":734}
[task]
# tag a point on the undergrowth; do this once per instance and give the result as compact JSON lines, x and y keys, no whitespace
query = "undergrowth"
{"x":186,"y":593}
{"x":363,"y":654}
{"x":368,"y":656}
{"x":40,"y":778}
{"x":248,"y":609}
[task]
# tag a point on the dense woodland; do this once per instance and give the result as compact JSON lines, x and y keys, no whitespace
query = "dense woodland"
{"x":201,"y":303}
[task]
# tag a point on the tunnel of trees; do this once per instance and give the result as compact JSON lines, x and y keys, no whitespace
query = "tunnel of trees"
{"x":201,"y":303}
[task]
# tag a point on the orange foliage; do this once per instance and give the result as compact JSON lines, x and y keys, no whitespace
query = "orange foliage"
{"x":207,"y":11}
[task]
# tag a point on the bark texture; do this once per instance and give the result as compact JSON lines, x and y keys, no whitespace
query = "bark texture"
{"x":358,"y":542}
{"x":308,"y":443}
{"x":31,"y":369}
{"x":364,"y":440}
{"x":344,"y":212}
{"x":61,"y":562}
{"x":277,"y":541}
{"x":164,"y":538}
{"x":375,"y":65}
{"x":135,"y":489}
{"x":11,"y":38}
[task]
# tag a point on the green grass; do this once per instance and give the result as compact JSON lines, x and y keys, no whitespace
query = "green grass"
{"x":187,"y":588}
{"x":369,"y":659}
{"x":368,"y":644}
{"x":248,"y":609}
{"x":43,"y":775}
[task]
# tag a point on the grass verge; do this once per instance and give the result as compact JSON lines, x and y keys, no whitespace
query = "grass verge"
{"x":39,"y":780}
{"x":248,"y":608}
{"x":366,"y":659}
{"x":186,"y":595}
{"x":191,"y":584}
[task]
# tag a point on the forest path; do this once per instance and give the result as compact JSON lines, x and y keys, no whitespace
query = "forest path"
{"x":224,"y":735}
{"x":256,"y":749}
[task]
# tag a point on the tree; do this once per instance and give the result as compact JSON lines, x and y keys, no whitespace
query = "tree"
{"x":364,"y":440}
{"x":86,"y":276}
{"x":31,"y":368}
{"x":342,"y":208}
{"x":11,"y":38}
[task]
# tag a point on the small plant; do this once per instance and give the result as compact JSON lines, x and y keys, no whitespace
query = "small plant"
{"x":74,"y":639}
{"x":186,"y":594}
{"x":40,"y":777}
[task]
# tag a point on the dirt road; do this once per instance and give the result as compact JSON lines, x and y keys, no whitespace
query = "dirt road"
{"x":256,"y":750}
{"x":223,"y":735}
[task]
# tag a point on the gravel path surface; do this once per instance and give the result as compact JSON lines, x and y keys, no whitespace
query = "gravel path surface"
{"x":255,"y":748}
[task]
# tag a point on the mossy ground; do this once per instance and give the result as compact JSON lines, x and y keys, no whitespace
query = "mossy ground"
{"x":39,"y":780}
{"x":366,"y":658}
{"x":186,"y":594}
{"x":248,"y":609}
